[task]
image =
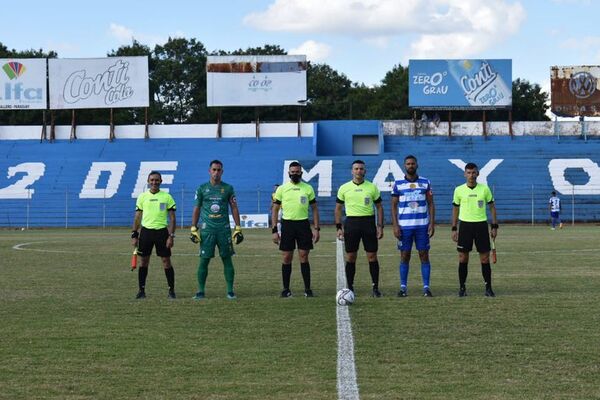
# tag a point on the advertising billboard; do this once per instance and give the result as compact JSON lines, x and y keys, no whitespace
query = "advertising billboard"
{"x":255,"y":80}
{"x":112,"y":82}
{"x":460,"y":84}
{"x":574,"y":91}
{"x":22,"y":83}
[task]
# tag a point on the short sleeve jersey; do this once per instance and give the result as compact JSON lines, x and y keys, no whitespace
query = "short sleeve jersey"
{"x":412,"y":202}
{"x":358,"y":199}
{"x":472,"y":202}
{"x":213,"y":202}
{"x":554,"y":204}
{"x":155,"y":208}
{"x":294,"y":200}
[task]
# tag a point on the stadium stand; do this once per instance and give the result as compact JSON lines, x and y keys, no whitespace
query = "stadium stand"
{"x":43,"y":184}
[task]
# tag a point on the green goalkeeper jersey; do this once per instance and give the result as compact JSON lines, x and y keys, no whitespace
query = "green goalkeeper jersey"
{"x":213,"y":202}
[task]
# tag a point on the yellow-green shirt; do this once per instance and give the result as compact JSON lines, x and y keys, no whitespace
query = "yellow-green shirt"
{"x":472,"y":202}
{"x":294,"y":200}
{"x":358,"y":199}
{"x":155,"y":208}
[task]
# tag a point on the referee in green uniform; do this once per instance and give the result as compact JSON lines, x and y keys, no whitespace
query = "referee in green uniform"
{"x":469,"y":224}
{"x":294,"y":198}
{"x":213,"y":200}
{"x":358,"y":197}
{"x":151,"y":211}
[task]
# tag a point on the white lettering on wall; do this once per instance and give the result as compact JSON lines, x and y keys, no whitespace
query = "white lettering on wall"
{"x":20,"y":189}
{"x":148,"y":166}
{"x":386,"y":168}
{"x":484,"y":171}
{"x":323,"y":168}
{"x":89,"y":190}
{"x":557,"y":169}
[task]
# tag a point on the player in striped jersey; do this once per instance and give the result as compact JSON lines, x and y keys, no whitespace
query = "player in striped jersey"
{"x":413,"y":218}
{"x":555,"y":207}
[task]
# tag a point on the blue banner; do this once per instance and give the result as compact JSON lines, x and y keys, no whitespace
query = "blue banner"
{"x":460,"y":84}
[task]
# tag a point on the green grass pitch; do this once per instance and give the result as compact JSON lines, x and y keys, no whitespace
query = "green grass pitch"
{"x":71,"y":329}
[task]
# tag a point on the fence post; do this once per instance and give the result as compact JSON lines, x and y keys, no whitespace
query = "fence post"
{"x":573,"y":205}
{"x":66,"y":208}
{"x":104,"y":209}
{"x":182,"y":199}
{"x":28,"y":207}
{"x":532,"y":207}
{"x":258,"y":199}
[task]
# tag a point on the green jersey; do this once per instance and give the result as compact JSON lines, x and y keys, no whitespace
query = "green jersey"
{"x":294,"y":200}
{"x":155,"y":208}
{"x":358,"y":199}
{"x":213,"y":202}
{"x":472,"y":202}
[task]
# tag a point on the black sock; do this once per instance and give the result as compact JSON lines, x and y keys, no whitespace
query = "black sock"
{"x":286,"y":274}
{"x":170,"y":274}
{"x":350,"y":271}
{"x":142,"y":274}
{"x":374,"y":270}
{"x":305,"y":269}
{"x":463,"y":271}
{"x":486,"y":271}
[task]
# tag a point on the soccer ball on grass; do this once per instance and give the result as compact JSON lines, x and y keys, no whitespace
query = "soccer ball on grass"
{"x":344,"y":297}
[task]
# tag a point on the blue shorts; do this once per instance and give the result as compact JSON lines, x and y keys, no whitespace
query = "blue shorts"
{"x":554,"y":214}
{"x":417,"y":235}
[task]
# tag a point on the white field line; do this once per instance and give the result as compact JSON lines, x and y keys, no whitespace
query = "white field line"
{"x":26,"y":247}
{"x":346,"y":368}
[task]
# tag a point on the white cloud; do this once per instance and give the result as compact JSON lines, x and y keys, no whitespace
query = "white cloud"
{"x":121,"y":33}
{"x":357,"y":17}
{"x":380,"y":41}
{"x":314,"y":51}
{"x":588,"y":48}
{"x":125,"y":35}
{"x":64,"y":49}
{"x":443,"y":27}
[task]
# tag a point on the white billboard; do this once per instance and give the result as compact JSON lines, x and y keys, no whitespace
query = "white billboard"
{"x":112,"y":82}
{"x":251,"y":221}
{"x":22,"y":83}
{"x":255,"y":80}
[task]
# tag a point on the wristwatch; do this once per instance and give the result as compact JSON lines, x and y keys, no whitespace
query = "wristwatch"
{"x":172,"y":235}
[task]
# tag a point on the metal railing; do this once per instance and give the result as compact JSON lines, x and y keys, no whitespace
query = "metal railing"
{"x":64,"y":208}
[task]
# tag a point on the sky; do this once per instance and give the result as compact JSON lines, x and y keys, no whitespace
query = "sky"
{"x":362,"y":39}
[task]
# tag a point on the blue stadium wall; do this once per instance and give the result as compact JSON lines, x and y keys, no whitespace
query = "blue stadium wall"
{"x":42,"y":184}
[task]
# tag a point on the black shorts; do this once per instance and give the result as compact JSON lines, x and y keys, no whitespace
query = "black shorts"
{"x":153,"y":237}
{"x":295,"y":232}
{"x":357,"y":228}
{"x":473,"y":231}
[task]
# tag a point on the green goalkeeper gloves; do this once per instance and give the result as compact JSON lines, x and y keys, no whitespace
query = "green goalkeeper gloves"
{"x":237,"y":236}
{"x":194,"y":235}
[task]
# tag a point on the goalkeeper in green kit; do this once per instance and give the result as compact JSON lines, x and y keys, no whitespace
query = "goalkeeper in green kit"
{"x":213,"y":200}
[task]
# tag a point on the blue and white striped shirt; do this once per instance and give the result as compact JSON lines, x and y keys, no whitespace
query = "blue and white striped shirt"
{"x":412,"y":202}
{"x":554,"y":204}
